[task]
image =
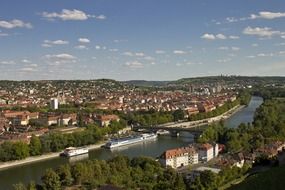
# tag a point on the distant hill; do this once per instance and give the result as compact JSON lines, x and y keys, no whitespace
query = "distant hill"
{"x":146,"y":83}
{"x":272,"y":179}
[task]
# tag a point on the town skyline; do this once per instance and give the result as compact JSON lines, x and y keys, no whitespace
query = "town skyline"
{"x":138,"y":40}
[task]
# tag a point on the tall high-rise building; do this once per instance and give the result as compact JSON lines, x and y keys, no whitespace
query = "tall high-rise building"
{"x":54,"y":103}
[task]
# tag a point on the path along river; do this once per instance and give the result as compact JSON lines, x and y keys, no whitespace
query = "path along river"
{"x":33,"y":171}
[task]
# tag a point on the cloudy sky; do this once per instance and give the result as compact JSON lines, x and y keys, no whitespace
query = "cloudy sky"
{"x":140,"y":39}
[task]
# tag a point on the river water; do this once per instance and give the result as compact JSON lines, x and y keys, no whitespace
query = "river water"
{"x":154,"y":148}
{"x":245,"y":115}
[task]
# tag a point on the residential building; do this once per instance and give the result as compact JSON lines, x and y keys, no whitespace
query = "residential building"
{"x":105,"y":120}
{"x":205,"y":152}
{"x":179,"y":157}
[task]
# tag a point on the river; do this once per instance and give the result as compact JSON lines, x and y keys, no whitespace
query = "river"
{"x":245,"y":115}
{"x":154,"y":148}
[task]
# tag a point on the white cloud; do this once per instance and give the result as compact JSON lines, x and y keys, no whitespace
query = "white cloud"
{"x":223,"y":48}
{"x":235,"y":48}
{"x":267,"y":15}
{"x":7,"y":62}
{"x":254,"y":45}
{"x":179,"y":52}
{"x":28,"y":69}
{"x":261,"y":32}
{"x":101,"y":17}
{"x":251,"y":56}
{"x":74,"y":14}
{"x":134,"y":65}
{"x":113,"y":50}
{"x":57,"y":59}
{"x":208,"y":36}
{"x":33,"y":65}
{"x":128,"y":53}
{"x":59,"y":42}
{"x":14,"y":24}
{"x":48,"y":43}
{"x":221,"y":36}
{"x":81,"y":47}
{"x":26,"y":61}
{"x":121,"y":40}
{"x":231,"y":19}
{"x":193,"y":63}
{"x":139,"y":54}
{"x":224,"y":60}
{"x":160,"y":52}
{"x":148,"y":58}
{"x":215,"y":37}
{"x":97,"y":47}
{"x":233,"y":37}
{"x":83,"y":40}
{"x":265,"y":55}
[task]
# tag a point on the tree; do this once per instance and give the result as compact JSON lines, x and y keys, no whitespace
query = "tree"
{"x":19,"y":186}
{"x":208,"y":179}
{"x":31,"y":186}
{"x":179,"y":183}
{"x":51,"y":180}
{"x":178,"y":115}
{"x":20,"y":150}
{"x":35,"y":146}
{"x":64,"y":174}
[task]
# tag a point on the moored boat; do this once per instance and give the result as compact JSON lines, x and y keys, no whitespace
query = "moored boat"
{"x":72,"y":151}
{"x":130,"y":140}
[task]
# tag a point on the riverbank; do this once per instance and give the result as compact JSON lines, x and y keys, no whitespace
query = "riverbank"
{"x":227,"y":114}
{"x":9,"y":164}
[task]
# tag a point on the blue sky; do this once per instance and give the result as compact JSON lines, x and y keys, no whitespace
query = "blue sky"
{"x":141,"y":39}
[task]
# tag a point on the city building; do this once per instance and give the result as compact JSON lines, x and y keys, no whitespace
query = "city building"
{"x":105,"y":120}
{"x":54,"y":103}
{"x":179,"y":157}
{"x":205,"y":152}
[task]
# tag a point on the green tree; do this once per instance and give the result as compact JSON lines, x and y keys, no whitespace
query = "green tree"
{"x":178,"y":115}
{"x":208,"y":179}
{"x":64,"y":174}
{"x":31,"y":186}
{"x":20,"y":150}
{"x":35,"y":146}
{"x":51,"y":180}
{"x":19,"y":186}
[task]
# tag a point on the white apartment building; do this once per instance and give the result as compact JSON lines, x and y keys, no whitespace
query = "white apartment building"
{"x":179,"y":157}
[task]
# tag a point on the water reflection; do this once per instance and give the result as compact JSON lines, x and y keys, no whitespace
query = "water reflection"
{"x":78,"y":158}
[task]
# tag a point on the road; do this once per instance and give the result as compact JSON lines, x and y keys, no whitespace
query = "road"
{"x":193,"y":124}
